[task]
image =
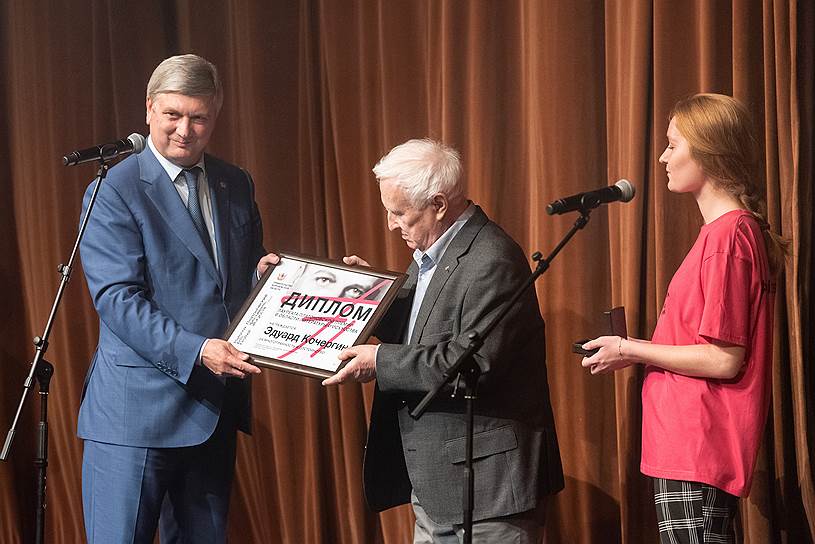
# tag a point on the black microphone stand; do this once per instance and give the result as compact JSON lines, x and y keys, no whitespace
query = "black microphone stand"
{"x":43,"y":371}
{"x":465,"y":367}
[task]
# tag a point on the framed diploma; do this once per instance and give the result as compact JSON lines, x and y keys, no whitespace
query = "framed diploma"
{"x":304,"y":311}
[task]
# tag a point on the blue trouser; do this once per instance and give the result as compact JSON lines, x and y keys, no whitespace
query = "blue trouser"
{"x":126,"y":489}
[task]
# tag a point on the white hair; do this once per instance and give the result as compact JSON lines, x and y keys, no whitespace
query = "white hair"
{"x":423,"y":168}
{"x":189,"y":75}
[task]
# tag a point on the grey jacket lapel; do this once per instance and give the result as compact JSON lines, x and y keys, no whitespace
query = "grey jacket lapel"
{"x":445,"y":268}
{"x":160,"y":190}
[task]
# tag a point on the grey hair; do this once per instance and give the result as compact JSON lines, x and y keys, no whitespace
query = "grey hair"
{"x":189,"y":75}
{"x":423,"y":168}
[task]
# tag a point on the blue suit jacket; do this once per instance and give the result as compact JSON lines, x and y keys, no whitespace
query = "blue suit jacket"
{"x":159,"y":296}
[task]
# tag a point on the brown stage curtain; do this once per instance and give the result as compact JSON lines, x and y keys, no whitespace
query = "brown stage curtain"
{"x":543,"y":99}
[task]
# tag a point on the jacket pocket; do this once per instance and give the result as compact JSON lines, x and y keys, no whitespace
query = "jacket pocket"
{"x":124,"y":356}
{"x":485,"y":443}
{"x":441,"y":331}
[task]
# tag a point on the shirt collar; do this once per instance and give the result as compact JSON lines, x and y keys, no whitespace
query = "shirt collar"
{"x":171,"y":168}
{"x":436,"y":251}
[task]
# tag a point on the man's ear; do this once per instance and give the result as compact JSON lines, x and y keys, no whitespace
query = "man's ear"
{"x":149,"y":108}
{"x":440,"y":204}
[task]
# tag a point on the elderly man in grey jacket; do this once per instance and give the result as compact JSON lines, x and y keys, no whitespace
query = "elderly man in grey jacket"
{"x":466,"y":268}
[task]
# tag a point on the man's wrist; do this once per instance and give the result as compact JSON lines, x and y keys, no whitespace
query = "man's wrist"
{"x":200,"y":360}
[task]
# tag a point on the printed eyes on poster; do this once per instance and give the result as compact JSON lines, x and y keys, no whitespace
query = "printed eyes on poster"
{"x":305,"y":310}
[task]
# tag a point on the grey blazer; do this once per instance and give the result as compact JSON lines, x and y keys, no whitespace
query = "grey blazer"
{"x":517,"y":459}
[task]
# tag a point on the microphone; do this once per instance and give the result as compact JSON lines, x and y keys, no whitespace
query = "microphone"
{"x":132,"y":144}
{"x":622,"y":191}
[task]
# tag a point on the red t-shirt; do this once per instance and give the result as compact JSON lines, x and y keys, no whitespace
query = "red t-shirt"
{"x":701,"y":429}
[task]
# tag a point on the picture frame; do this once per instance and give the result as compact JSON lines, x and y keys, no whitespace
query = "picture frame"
{"x":305,"y":310}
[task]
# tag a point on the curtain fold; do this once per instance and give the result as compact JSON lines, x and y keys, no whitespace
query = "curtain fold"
{"x":628,"y":102}
{"x":543,"y":99}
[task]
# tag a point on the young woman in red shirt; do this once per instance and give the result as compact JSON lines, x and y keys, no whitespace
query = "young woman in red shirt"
{"x":707,"y":367}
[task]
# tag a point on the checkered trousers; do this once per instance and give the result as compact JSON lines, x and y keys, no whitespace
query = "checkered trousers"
{"x":693,"y":513}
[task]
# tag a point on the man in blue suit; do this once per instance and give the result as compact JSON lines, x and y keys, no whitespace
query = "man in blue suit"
{"x":172,"y":249}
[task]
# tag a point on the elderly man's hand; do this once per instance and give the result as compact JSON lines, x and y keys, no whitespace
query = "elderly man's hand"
{"x":353,"y":260}
{"x":361,"y":367}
